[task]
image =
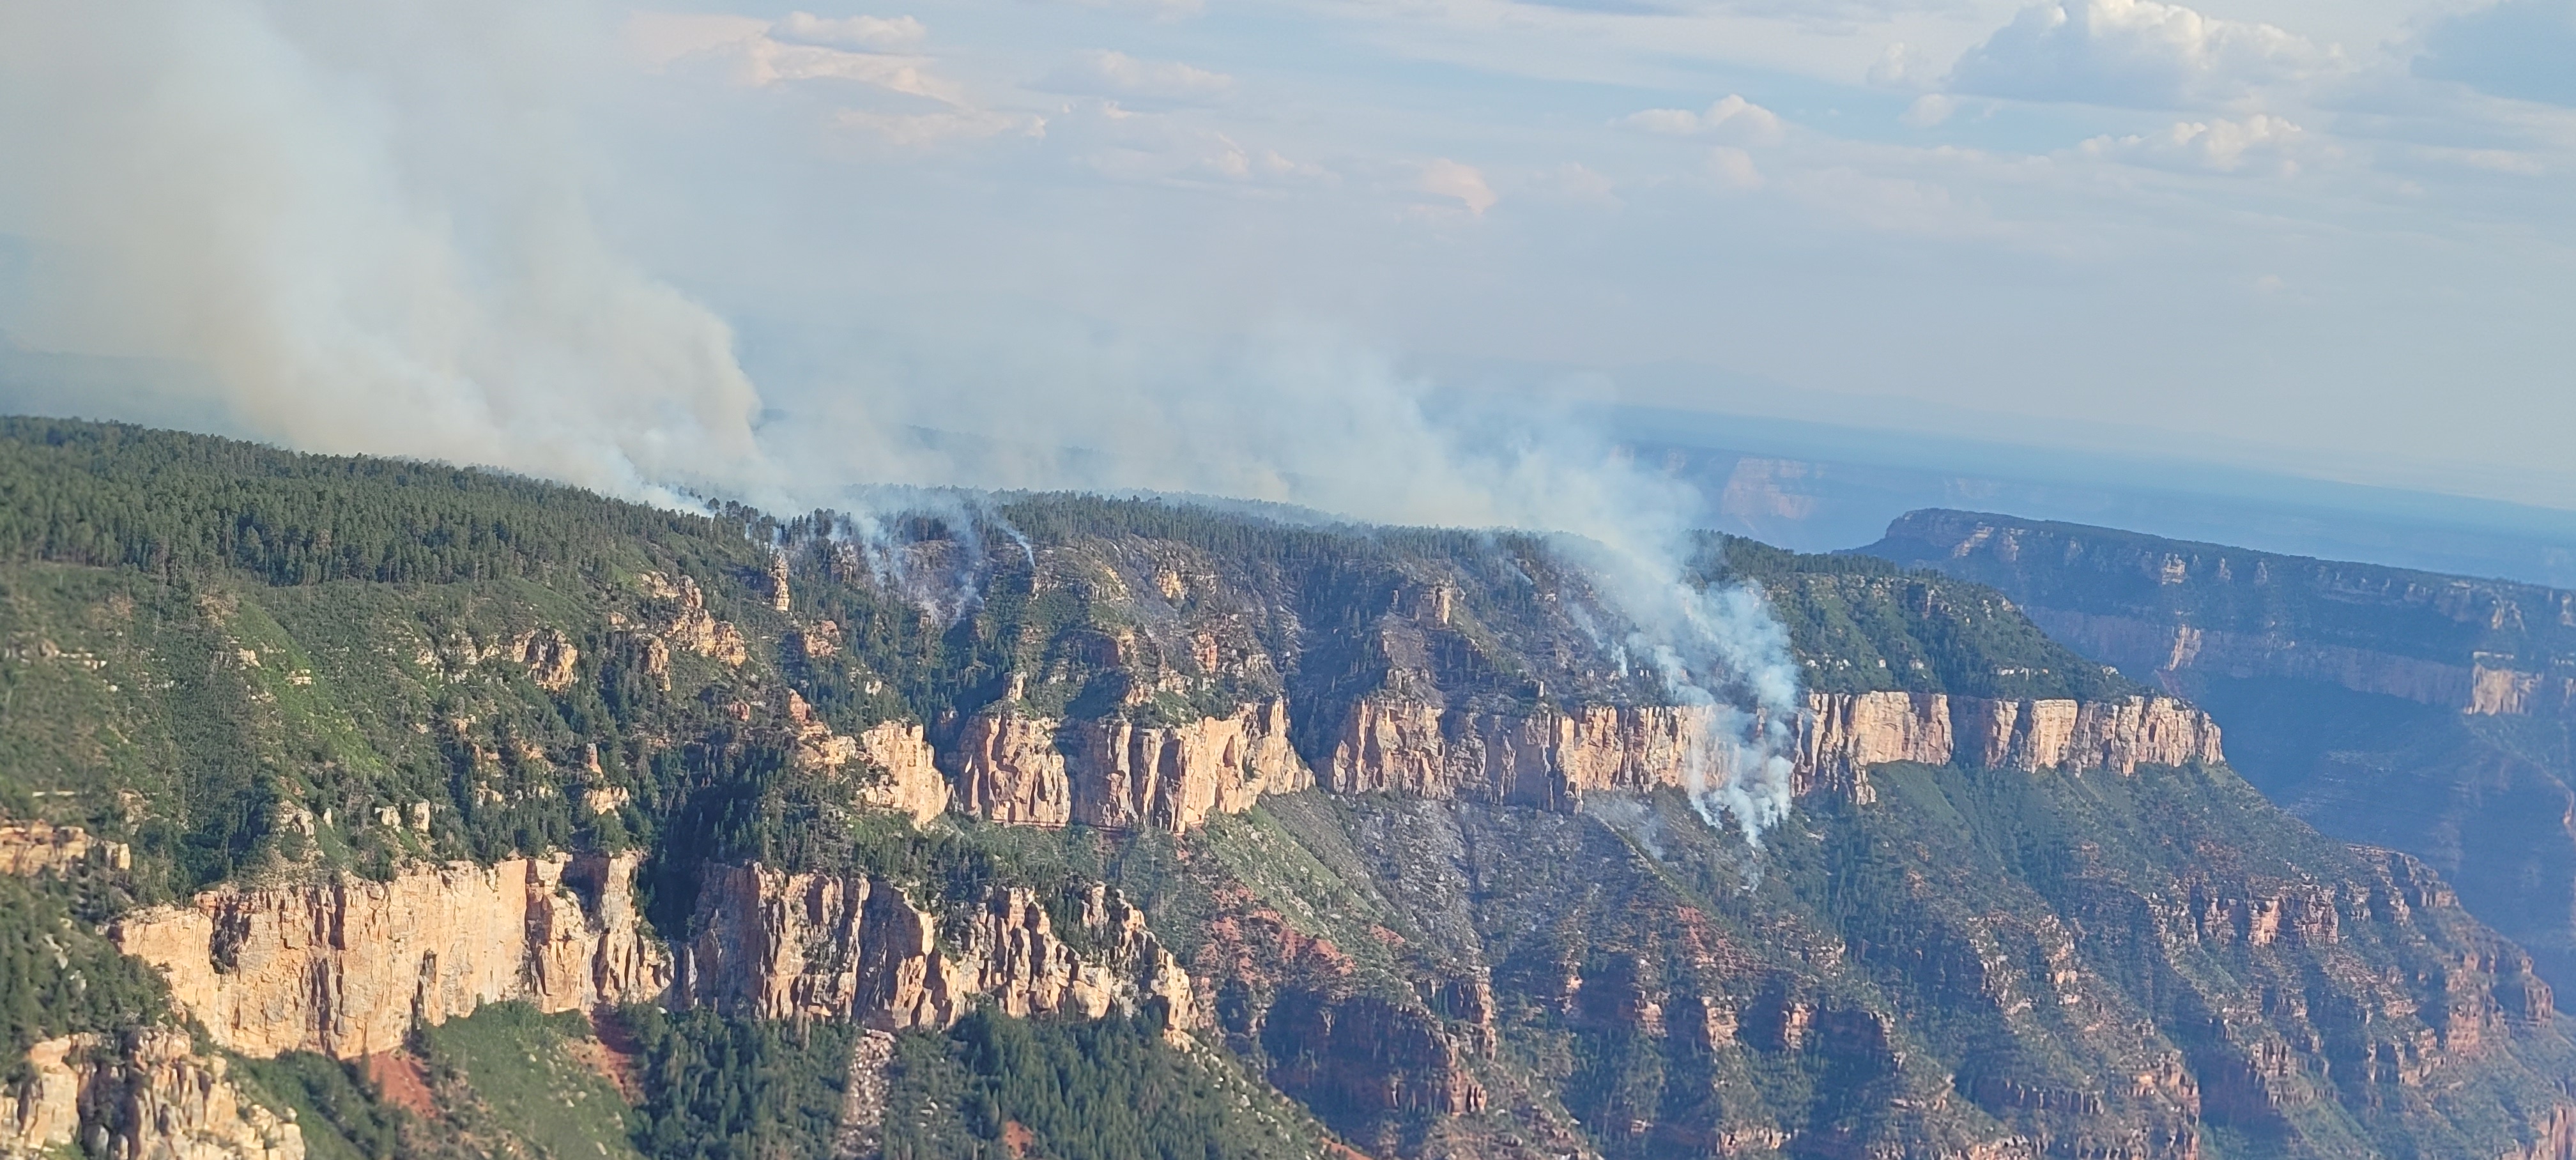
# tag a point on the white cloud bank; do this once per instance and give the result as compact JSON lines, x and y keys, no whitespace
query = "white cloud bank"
{"x":1731,"y":119}
{"x":2257,"y":143}
{"x":1116,"y":74}
{"x":2136,"y":53}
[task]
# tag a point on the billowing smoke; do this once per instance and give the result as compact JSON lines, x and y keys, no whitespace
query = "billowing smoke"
{"x":374,"y":227}
{"x":368,"y":222}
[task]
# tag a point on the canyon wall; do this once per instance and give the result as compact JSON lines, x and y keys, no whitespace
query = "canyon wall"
{"x":145,"y":1096}
{"x":1552,"y":758}
{"x":787,"y":946}
{"x":345,"y":967}
{"x":31,"y":848}
{"x":1018,"y":769}
{"x":2156,"y":606}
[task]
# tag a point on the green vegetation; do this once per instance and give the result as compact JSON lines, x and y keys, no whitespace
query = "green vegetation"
{"x":526,"y":1083}
{"x":338,"y":1115}
{"x":57,"y":976}
{"x":1861,"y":624}
{"x":733,"y":1089}
{"x":176,"y":505}
{"x":995,"y":1087}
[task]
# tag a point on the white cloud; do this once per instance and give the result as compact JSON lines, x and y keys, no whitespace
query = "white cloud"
{"x":1927,"y":110}
{"x":1733,"y":119}
{"x":918,"y":129}
{"x":1125,"y":145}
{"x":1116,"y":74}
{"x":1156,"y":10}
{"x":1903,"y":66}
{"x":1466,"y":183}
{"x":2260,"y":142}
{"x":875,"y":33}
{"x":2137,"y":53}
{"x":1734,"y":168}
{"x":1574,"y":183}
{"x":751,"y":56}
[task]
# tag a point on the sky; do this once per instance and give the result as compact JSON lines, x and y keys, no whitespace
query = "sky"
{"x":2327,"y":238}
{"x":1238,"y":244}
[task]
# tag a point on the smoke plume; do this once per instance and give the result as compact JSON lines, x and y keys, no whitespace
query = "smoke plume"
{"x":375,"y":227}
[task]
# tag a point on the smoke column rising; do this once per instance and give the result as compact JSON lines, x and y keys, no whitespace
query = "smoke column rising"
{"x":372,"y":225}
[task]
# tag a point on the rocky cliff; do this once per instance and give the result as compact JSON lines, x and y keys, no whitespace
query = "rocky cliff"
{"x":778,"y":945}
{"x":145,"y":1095}
{"x":1554,"y":757}
{"x":1114,"y":774}
{"x":2398,"y":708}
{"x":1843,"y":732}
{"x":31,"y":848}
{"x":2158,"y":606}
{"x":345,"y":967}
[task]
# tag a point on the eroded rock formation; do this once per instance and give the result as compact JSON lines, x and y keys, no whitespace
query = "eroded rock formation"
{"x":1115,"y":774}
{"x":1842,"y":732}
{"x":31,"y":848}
{"x":146,"y":1096}
{"x":780,"y":946}
{"x":913,"y":784}
{"x":1552,"y":758}
{"x":344,"y":967}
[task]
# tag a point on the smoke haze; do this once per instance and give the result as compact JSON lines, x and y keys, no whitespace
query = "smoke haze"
{"x":375,"y":228}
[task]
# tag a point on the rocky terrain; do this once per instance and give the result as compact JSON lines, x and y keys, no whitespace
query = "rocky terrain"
{"x":825,"y":835}
{"x":2411,"y":710}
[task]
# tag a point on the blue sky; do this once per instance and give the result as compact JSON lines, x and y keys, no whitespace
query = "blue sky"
{"x":2323,"y":238}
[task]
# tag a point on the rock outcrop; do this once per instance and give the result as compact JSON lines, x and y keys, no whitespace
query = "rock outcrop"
{"x":913,"y":784}
{"x":690,"y":625}
{"x":344,"y":967}
{"x":145,"y":1096}
{"x":1549,"y":758}
{"x":1127,"y":776}
{"x":32,"y":848}
{"x":1846,"y":732}
{"x":550,"y":657}
{"x":1115,"y":774}
{"x":785,"y":946}
{"x":1009,"y":770}
{"x":1552,"y":758}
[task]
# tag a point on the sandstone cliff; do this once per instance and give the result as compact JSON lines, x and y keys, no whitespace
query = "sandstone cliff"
{"x":1844,"y":732}
{"x":913,"y":784}
{"x":148,"y":1096}
{"x":1114,"y":774}
{"x":1552,"y":758}
{"x":1548,"y":758}
{"x":782,"y":946}
{"x":31,"y":848}
{"x":344,"y":967}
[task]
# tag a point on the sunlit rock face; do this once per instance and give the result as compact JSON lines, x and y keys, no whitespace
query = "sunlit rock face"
{"x":343,"y":967}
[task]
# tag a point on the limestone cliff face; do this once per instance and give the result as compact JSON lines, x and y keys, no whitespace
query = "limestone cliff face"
{"x":1129,"y":776}
{"x":343,"y":968}
{"x":1009,"y":770}
{"x":148,"y":1096}
{"x":32,"y":848}
{"x":1025,"y":770}
{"x":780,"y":945}
{"x":913,"y":783}
{"x":1843,"y":732}
{"x":1552,"y":758}
{"x":1548,"y":758}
